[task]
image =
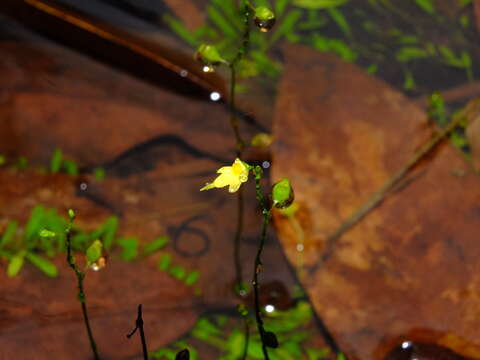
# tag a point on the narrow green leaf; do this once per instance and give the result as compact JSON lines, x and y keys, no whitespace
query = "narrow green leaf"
{"x":178,"y":28}
{"x":22,"y":163}
{"x":340,"y":20}
{"x":70,"y":167}
{"x":280,"y":6}
{"x":106,"y":232}
{"x":47,"y":267}
{"x":9,"y":233}
{"x":99,"y":174}
{"x":164,"y":262}
{"x":192,"y":278}
{"x":409,"y":81}
{"x":319,"y":4}
{"x":236,"y":344}
{"x":56,"y":161}
{"x":155,"y":245}
{"x":178,"y":272}
{"x":15,"y":264}
{"x":230,"y":11}
{"x":286,"y":26}
{"x":426,"y":5}
{"x":216,"y":17}
{"x":317,"y":354}
{"x":372,"y":69}
{"x":34,"y":224}
{"x":129,"y":248}
{"x":407,"y":54}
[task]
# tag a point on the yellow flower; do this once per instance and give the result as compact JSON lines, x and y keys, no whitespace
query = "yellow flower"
{"x":233,"y":176}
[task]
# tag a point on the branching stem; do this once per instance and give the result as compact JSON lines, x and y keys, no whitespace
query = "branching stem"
{"x":81,"y":293}
{"x":139,"y":327}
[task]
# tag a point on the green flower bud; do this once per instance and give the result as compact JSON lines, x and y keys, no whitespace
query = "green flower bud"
{"x":71,"y":214}
{"x":209,"y":56}
{"x":94,"y":251}
{"x":262,"y":140}
{"x":264,"y":18}
{"x":96,"y":258}
{"x":282,"y":194}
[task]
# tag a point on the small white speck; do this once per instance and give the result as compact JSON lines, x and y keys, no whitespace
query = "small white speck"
{"x":269,"y":308}
{"x":266,"y":164}
{"x":406,"y":344}
{"x":300,"y":247}
{"x":184,"y":73}
{"x":83,"y":186}
{"x":215,"y":96}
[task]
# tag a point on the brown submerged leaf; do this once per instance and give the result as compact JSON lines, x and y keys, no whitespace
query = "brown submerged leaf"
{"x":412,"y":262}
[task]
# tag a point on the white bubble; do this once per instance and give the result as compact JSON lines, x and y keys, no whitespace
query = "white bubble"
{"x":215,"y":96}
{"x":184,"y":73}
{"x":266,"y":164}
{"x":406,"y":344}
{"x":269,"y":308}
{"x":208,"y":69}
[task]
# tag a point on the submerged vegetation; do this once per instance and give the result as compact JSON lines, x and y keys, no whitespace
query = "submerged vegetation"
{"x":379,"y":35}
{"x":230,"y":40}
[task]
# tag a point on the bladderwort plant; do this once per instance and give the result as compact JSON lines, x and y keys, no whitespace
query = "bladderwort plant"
{"x":95,"y":260}
{"x":281,"y":196}
{"x":233,"y":176}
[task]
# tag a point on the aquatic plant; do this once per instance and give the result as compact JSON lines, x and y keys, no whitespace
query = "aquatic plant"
{"x":383,"y":37}
{"x":93,"y":255}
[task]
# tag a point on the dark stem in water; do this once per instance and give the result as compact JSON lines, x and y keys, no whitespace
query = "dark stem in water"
{"x":266,"y":213}
{"x":139,"y":326}
{"x":240,"y":145}
{"x":81,"y":293}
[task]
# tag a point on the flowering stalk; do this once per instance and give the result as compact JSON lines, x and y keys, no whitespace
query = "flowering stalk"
{"x":266,"y":213}
{"x":80,"y":277}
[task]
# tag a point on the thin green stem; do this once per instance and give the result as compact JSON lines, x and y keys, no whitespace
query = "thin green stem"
{"x":81,"y":293}
{"x":266,"y":213}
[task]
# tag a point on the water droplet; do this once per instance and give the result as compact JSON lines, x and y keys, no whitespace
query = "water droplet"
{"x":99,"y":264}
{"x":215,"y":96}
{"x":406,"y":344}
{"x":269,"y":308}
{"x":184,"y":73}
{"x":264,"y":25}
{"x":266,"y":164}
{"x":83,"y":186}
{"x":208,"y":68}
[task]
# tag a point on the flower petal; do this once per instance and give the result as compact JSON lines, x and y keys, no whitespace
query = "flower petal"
{"x":225,"y":170}
{"x":234,"y":187}
{"x":223,"y":180}
{"x":207,"y":186}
